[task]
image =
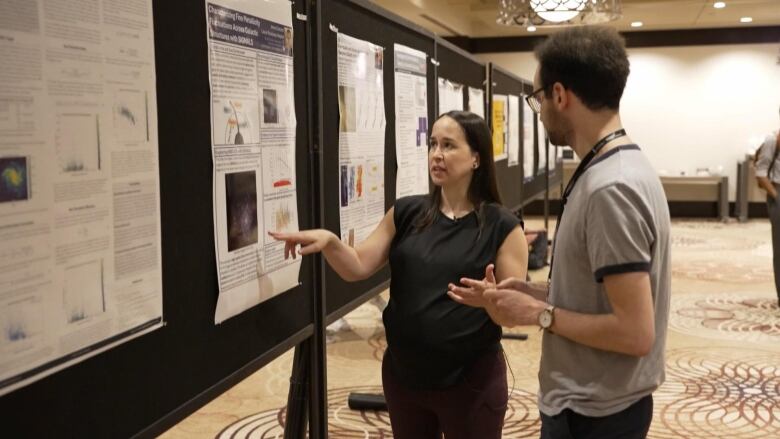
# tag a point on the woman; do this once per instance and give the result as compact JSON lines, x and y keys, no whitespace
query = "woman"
{"x":444,"y":369}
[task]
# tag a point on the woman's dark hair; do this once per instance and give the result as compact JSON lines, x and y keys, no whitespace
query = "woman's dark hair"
{"x":591,"y":61}
{"x":483,"y":189}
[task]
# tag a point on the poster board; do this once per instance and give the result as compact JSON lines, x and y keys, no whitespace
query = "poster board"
{"x":148,"y":384}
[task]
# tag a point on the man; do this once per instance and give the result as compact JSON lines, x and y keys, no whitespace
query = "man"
{"x":768,"y":176}
{"x":606,"y":310}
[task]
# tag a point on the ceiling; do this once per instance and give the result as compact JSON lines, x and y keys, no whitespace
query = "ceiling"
{"x":477,"y":18}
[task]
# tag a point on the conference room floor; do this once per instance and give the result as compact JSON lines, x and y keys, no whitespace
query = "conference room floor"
{"x":722,"y":357}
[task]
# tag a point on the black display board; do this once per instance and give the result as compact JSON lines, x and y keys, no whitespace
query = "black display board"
{"x":148,"y":384}
{"x":363,"y":20}
{"x":510,"y":178}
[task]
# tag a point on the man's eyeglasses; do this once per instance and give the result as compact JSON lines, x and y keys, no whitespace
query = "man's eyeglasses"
{"x":533,"y":101}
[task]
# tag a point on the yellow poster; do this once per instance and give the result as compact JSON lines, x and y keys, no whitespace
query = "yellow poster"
{"x":499,"y":127}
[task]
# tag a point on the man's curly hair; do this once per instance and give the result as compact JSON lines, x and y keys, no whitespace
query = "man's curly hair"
{"x":591,"y":61}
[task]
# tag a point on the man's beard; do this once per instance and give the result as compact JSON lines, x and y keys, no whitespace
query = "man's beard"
{"x":557,"y":130}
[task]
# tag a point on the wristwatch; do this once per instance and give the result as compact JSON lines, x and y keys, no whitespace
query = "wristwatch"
{"x":546,"y":317}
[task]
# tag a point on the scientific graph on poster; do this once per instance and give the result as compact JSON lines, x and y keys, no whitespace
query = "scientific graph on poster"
{"x":280,"y":216}
{"x":21,"y":322}
{"x":83,"y":291}
{"x":131,"y":114}
{"x":278,"y":173}
{"x":77,"y":142}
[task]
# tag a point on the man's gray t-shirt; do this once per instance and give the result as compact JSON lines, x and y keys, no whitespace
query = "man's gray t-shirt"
{"x":616,"y":221}
{"x":765,"y":156}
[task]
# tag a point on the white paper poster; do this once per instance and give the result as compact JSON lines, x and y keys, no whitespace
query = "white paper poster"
{"x":514,"y":131}
{"x":361,"y":138}
{"x":477,"y":101}
{"x":500,"y":122}
{"x":411,"y":121}
{"x":253,"y":148}
{"x":551,"y":156}
{"x":80,"y":264}
{"x":528,"y":140}
{"x":450,"y":96}
{"x":541,"y":142}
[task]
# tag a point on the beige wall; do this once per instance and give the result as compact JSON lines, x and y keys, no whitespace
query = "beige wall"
{"x":694,"y":106}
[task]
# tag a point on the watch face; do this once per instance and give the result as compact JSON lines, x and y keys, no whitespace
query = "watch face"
{"x":545,"y":319}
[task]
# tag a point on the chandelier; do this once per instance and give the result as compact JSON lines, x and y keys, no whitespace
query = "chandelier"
{"x":556,"y":12}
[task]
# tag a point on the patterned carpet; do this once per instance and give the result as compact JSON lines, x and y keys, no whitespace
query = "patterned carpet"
{"x":723,"y":355}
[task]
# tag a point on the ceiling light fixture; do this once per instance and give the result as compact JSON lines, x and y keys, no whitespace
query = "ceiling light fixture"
{"x":637,"y":24}
{"x":531,"y":28}
{"x":746,"y":20}
{"x":719,"y":5}
{"x":526,"y":13}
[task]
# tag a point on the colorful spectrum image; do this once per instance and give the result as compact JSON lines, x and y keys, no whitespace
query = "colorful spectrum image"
{"x":14,"y":179}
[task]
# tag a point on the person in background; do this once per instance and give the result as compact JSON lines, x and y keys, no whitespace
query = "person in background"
{"x":605,"y":310}
{"x":768,"y":176}
{"x":444,"y":370}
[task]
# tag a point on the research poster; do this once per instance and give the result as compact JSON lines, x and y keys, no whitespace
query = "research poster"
{"x":250,"y":48}
{"x":500,"y":123}
{"x":477,"y":101}
{"x":450,"y":96}
{"x":541,"y":141}
{"x":514,"y":131}
{"x":80,"y":263}
{"x":528,"y":140}
{"x":361,"y":103}
{"x":411,"y":121}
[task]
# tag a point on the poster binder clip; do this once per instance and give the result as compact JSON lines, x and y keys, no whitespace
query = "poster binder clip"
{"x":300,"y":16}
{"x":333,"y":28}
{"x":434,"y":62}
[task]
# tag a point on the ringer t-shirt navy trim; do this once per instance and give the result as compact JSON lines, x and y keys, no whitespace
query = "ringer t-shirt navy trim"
{"x":630,"y":267}
{"x":616,"y":221}
{"x":613,"y":151}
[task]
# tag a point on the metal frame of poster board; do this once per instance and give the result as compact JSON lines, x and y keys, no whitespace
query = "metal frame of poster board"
{"x":145,"y":386}
{"x":510,"y":179}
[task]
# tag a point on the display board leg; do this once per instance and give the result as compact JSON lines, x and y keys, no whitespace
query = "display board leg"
{"x":297,"y":407}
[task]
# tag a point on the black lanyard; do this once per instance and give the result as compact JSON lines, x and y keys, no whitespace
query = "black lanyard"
{"x":570,"y":186}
